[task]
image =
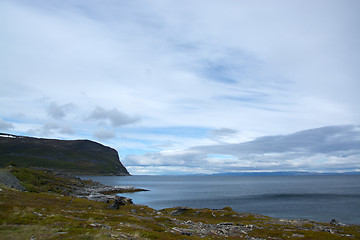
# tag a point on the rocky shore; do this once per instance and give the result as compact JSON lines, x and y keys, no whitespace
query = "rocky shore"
{"x":58,"y":206}
{"x":99,"y":192}
{"x":295,"y":229}
{"x":74,"y":186}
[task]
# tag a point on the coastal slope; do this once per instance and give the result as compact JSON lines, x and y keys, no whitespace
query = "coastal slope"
{"x":73,"y":156}
{"x":50,"y":208}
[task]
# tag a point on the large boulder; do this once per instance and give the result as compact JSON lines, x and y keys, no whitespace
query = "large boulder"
{"x":179,"y":211}
{"x":119,"y":201}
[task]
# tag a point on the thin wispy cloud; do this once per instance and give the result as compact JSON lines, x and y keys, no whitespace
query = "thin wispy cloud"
{"x":132,"y":73}
{"x":223,"y":134}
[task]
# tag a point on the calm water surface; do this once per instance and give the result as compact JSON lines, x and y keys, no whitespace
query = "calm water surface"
{"x":319,"y":198}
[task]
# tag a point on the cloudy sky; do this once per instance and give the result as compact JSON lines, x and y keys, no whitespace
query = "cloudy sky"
{"x":178,"y":87}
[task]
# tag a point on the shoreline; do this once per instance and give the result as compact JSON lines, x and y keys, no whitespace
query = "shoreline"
{"x":104,"y":193}
{"x":79,"y":210}
{"x":280,"y":197}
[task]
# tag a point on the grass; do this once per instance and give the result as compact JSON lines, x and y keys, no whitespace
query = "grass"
{"x":44,"y":213}
{"x":44,"y":181}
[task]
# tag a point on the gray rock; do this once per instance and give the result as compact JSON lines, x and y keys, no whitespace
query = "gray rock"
{"x":118,"y":201}
{"x":99,"y":225}
{"x":106,"y":227}
{"x":297,"y":235}
{"x":96,"y":224}
{"x":60,"y":233}
{"x":337,"y":223}
{"x":179,"y":211}
{"x":38,"y":214}
{"x":98,"y":192}
{"x":328,"y":230}
{"x":225,"y":224}
{"x":9,"y":180}
{"x":97,"y":197}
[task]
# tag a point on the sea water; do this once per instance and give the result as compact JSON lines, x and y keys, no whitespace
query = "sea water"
{"x":318,"y":197}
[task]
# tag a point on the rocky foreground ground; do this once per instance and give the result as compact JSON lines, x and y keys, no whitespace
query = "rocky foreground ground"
{"x":53,"y":206}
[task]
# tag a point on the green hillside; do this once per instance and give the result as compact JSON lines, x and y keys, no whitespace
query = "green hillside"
{"x":76,"y":156}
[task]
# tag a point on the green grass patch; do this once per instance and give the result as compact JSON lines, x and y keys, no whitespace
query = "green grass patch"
{"x":45,"y":214}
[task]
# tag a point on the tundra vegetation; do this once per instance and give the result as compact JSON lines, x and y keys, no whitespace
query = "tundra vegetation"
{"x":48,"y":210}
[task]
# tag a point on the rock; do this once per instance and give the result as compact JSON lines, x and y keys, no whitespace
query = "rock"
{"x":38,"y":214}
{"x":179,"y":211}
{"x":99,"y":225}
{"x":106,"y":227}
{"x":9,"y":180}
{"x":96,"y":224}
{"x":189,"y":222}
{"x":337,"y":223}
{"x":297,"y":235}
{"x":118,"y":201}
{"x":60,"y":233}
{"x":224,"y":229}
{"x":225,"y":224}
{"x":182,"y":231}
{"x":98,"y":192}
{"x":98,"y":197}
{"x":328,"y":230}
{"x":118,"y":189}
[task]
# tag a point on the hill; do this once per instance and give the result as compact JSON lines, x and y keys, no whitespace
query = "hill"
{"x":74,"y":156}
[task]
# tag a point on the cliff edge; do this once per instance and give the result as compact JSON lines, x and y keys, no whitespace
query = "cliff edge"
{"x":73,"y":156}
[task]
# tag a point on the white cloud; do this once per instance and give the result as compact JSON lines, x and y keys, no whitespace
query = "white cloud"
{"x":58,"y":112}
{"x":227,"y":135}
{"x":52,"y":128}
{"x":256,"y":67}
{"x":104,"y":134}
{"x":328,"y":149}
{"x":6,"y":126}
{"x":114,"y":116}
{"x":143,"y":60}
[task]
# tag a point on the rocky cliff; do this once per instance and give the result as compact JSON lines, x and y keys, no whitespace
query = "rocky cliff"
{"x":74,"y":156}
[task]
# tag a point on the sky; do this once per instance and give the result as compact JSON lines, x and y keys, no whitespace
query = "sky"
{"x":183,"y":87}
